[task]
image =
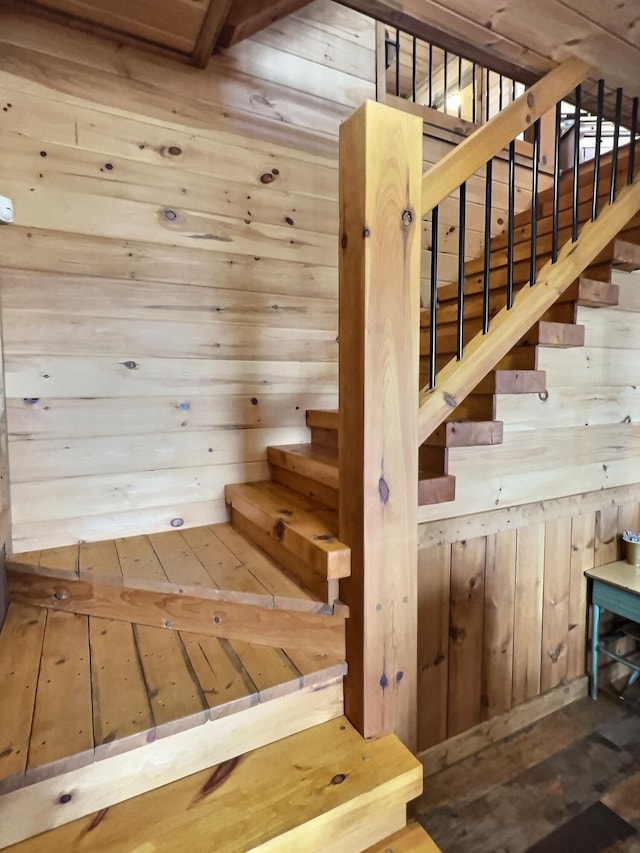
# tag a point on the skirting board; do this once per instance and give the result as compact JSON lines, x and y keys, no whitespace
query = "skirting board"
{"x":53,"y":802}
{"x":461,"y":746}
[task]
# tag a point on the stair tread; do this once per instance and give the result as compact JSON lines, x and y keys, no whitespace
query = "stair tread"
{"x":322,"y":418}
{"x":337,"y":796}
{"x":435,"y":487}
{"x":131,"y":684}
{"x":466,"y":433}
{"x":297,"y":523}
{"x":412,"y":839}
{"x":215,"y":562}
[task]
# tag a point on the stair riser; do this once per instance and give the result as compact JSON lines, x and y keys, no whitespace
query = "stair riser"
{"x":316,"y":582}
{"x":306,"y":486}
{"x":324,"y":437}
{"x":265,"y":625}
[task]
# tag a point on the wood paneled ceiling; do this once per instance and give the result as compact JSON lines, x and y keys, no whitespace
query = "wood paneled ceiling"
{"x":190,"y":28}
{"x":525,"y":39}
{"x":521,"y":38}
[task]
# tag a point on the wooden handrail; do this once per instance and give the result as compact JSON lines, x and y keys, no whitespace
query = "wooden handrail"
{"x":459,"y":378}
{"x":447,"y":174}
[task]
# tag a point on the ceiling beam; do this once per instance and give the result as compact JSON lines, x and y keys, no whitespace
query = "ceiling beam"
{"x":214,"y":19}
{"x":248,"y":17}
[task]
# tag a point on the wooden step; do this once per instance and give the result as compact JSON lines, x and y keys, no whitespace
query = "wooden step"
{"x":310,"y":469}
{"x":513,"y":382}
{"x":94,"y":711}
{"x":212,"y":580}
{"x":297,"y":531}
{"x":466,"y":434}
{"x":435,"y":488}
{"x":412,"y":839}
{"x":556,"y":335}
{"x":324,"y":427}
{"x":597,"y":294}
{"x":626,"y":255}
{"x":322,"y":418}
{"x":324,"y":789}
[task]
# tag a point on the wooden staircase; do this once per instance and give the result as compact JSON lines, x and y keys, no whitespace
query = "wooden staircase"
{"x":205,"y":665}
{"x":472,"y":421}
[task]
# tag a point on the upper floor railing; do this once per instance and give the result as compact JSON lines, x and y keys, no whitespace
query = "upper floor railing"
{"x":434,"y":77}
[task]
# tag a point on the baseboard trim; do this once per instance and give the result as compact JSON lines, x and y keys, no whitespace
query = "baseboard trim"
{"x":463,"y":745}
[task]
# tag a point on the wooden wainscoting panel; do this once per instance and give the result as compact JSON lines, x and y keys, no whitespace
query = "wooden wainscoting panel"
{"x":555,"y":608}
{"x":466,"y":632}
{"x":499,"y":603}
{"x":582,"y":558}
{"x":527,"y":638}
{"x":434,"y":592}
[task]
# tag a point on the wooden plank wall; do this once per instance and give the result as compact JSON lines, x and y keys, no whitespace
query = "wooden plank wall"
{"x":503,"y":617}
{"x":170,"y":283}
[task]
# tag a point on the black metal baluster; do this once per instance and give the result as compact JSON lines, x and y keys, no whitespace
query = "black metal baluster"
{"x":461,"y":244}
{"x":500,"y":95}
{"x":434,"y":297}
{"x":397,"y":63}
{"x":414,"y":69}
{"x":511,"y":224}
{"x":576,"y":165}
{"x":535,"y":166}
{"x":513,"y":90}
{"x":487,"y":107}
{"x":596,"y":159}
{"x":556,"y":183}
{"x":487,"y":246}
{"x":445,"y":71}
{"x":632,"y":142}
{"x":459,"y":87}
{"x":430,"y":75}
{"x":616,"y":147}
{"x":473,"y":92}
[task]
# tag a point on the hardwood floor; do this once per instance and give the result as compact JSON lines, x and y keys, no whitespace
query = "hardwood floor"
{"x":570,"y":783}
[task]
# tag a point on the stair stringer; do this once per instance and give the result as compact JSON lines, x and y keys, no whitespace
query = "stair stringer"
{"x":459,"y":378}
{"x":580,"y":435}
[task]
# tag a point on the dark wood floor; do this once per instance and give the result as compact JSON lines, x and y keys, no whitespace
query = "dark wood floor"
{"x":570,"y":783}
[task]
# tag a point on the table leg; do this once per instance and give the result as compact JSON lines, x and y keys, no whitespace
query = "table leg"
{"x":595,"y":628}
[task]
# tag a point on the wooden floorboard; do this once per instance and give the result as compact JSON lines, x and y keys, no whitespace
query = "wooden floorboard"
{"x":216,"y":561}
{"x":569,"y":782}
{"x":131,"y":684}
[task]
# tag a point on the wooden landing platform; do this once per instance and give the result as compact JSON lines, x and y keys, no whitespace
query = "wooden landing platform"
{"x":207,"y":580}
{"x":130,"y":685}
{"x":94,"y":711}
{"x":216,"y":562}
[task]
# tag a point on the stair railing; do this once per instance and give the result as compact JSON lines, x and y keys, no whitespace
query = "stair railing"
{"x":447,"y":387}
{"x":383,"y":196}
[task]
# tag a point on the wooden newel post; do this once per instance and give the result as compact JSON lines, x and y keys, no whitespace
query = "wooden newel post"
{"x":380,"y":236}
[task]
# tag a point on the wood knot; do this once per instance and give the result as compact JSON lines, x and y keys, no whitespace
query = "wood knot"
{"x":450,"y":400}
{"x":530,"y":100}
{"x":383,"y":490}
{"x":407,"y":218}
{"x":177,"y":522}
{"x":61,"y":594}
{"x":338,"y":779}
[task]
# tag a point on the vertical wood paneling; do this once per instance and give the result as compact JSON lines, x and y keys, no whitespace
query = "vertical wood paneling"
{"x":555,"y":613}
{"x":465,"y":632}
{"x":606,"y":536}
{"x":527,"y":636}
{"x":500,"y":580}
{"x":582,"y":558}
{"x":434,"y":589}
